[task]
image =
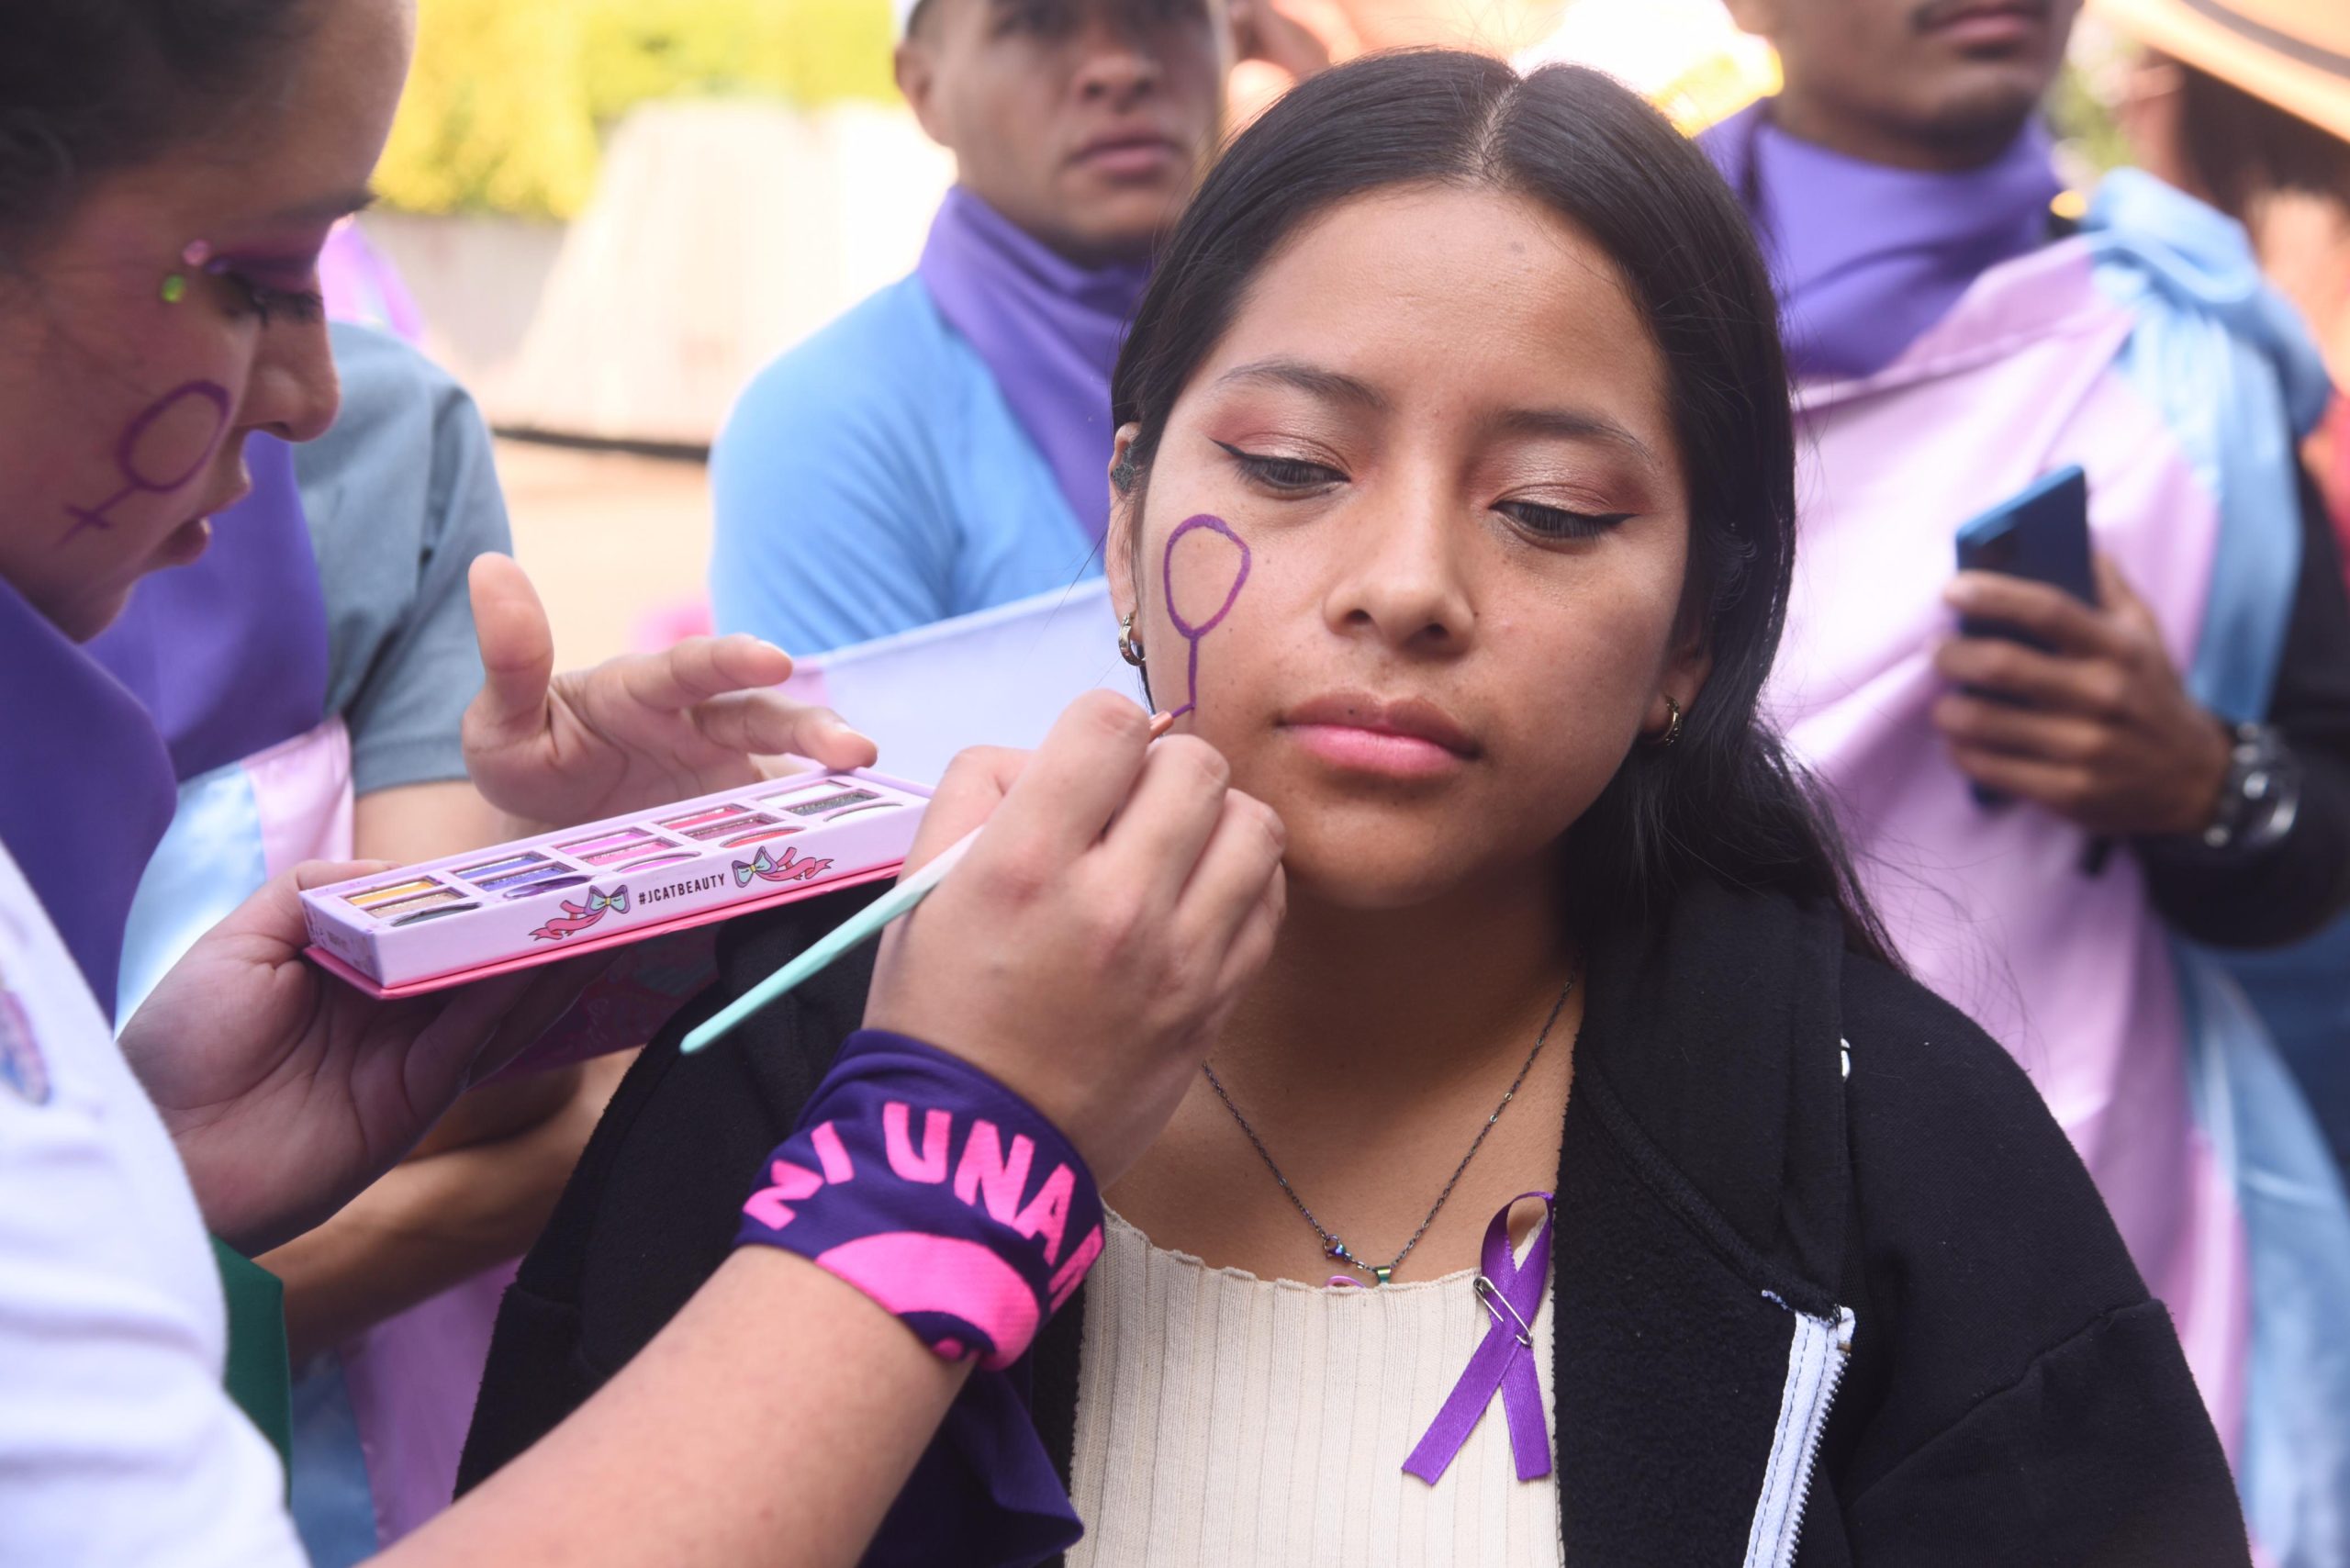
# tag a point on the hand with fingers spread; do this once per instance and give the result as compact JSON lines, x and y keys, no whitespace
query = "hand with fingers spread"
{"x":2101,"y":729}
{"x":286,"y":1091}
{"x":639,"y":731}
{"x":1094,"y":938}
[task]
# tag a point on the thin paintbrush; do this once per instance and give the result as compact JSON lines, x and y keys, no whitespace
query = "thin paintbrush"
{"x":866,"y":922}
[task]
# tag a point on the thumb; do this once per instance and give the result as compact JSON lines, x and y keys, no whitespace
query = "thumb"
{"x":516,"y":649}
{"x":273,"y":912}
{"x":973,"y":787}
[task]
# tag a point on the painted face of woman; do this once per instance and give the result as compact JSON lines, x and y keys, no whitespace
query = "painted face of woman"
{"x":173,"y":309}
{"x":1443,"y":590}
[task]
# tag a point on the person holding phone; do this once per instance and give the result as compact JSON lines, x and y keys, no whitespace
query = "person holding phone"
{"x":2257,"y":123}
{"x":168,"y":173}
{"x":2168,"y":749}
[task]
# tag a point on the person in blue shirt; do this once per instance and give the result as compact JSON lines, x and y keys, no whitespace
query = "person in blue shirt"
{"x":942,"y":446}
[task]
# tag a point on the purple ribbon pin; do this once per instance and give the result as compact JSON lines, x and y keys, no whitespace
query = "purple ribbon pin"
{"x":1511,"y":1294}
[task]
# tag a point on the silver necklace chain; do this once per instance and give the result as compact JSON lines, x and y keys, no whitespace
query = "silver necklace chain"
{"x":1331,"y":1246}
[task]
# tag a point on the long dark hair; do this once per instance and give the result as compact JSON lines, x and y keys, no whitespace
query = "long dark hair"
{"x":91,"y":86}
{"x":1724,"y":802}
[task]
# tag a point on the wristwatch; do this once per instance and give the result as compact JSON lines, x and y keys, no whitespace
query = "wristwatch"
{"x":2261,"y":795}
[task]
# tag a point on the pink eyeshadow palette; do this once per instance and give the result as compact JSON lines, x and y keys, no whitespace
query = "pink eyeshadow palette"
{"x":424,"y":927}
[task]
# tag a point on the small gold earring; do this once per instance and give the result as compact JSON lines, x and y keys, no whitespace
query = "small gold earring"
{"x":1128,"y":649}
{"x":1672,"y":725}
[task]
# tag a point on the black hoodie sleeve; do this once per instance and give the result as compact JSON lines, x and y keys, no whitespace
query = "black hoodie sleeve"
{"x":2016,"y":1395}
{"x":652,"y":1209}
{"x":2290,"y":889}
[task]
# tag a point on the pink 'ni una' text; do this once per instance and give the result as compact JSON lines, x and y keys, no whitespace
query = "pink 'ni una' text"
{"x":988,"y":1173}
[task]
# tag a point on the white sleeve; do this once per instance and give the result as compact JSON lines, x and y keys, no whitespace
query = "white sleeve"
{"x":118,"y":1446}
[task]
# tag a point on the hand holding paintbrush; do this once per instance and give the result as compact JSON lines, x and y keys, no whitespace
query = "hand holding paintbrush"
{"x":1095,"y":935}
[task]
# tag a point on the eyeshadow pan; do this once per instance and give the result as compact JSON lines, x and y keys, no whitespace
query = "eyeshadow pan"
{"x":393,"y":893}
{"x":587,"y":848}
{"x":622,"y":852}
{"x":698,"y":818}
{"x":398,"y":907}
{"x":517,"y":878}
{"x":732,"y":824}
{"x":493,"y":871}
{"x":831,"y":802}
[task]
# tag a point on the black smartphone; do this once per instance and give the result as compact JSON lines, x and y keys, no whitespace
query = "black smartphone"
{"x":2042,"y":533}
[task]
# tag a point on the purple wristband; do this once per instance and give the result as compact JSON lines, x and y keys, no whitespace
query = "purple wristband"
{"x":935,"y":1190}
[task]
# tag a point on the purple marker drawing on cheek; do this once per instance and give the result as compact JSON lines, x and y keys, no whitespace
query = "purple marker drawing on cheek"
{"x":127,"y":453}
{"x":1189,"y":633}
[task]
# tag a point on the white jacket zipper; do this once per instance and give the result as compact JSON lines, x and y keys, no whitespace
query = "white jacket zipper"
{"x":1816,"y":1363}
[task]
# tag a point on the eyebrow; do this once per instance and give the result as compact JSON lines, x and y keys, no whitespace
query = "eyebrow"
{"x":1570,"y":424}
{"x":1329,"y":385}
{"x":1558,"y":424}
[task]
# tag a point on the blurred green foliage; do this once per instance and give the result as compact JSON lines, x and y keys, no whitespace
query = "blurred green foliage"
{"x":508,"y":99}
{"x":2078,"y":114}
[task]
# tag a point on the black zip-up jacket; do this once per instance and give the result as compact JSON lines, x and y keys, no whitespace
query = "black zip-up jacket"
{"x":1807,"y":1311}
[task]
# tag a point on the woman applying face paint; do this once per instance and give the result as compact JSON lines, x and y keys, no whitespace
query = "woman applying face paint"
{"x":169,"y":170}
{"x":1580,"y":1180}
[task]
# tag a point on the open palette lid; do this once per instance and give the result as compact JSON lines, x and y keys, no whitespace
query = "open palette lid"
{"x":446,"y":922}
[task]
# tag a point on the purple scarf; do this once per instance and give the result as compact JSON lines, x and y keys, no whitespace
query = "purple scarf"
{"x":229,"y":654}
{"x":1866,"y":257}
{"x":86,"y":791}
{"x":1046,"y":329}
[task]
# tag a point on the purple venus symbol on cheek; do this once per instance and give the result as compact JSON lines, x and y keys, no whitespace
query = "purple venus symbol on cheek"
{"x":136,"y":455}
{"x":1189,"y":632}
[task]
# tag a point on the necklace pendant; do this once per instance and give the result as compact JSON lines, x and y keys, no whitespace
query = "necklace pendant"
{"x":1380,"y":1274}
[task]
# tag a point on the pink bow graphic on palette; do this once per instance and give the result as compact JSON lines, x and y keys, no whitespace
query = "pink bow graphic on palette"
{"x":767,"y":869}
{"x":576,"y":918}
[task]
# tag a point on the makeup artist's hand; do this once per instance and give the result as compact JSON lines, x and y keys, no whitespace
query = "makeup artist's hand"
{"x":1092,"y":941}
{"x":2110,"y":738}
{"x":286,"y":1091}
{"x":638,"y":731}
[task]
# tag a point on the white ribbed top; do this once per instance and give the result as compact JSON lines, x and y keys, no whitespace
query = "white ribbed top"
{"x":1224,"y":1420}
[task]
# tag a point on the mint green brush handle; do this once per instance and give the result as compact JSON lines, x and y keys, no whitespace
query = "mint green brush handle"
{"x":866,"y":922}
